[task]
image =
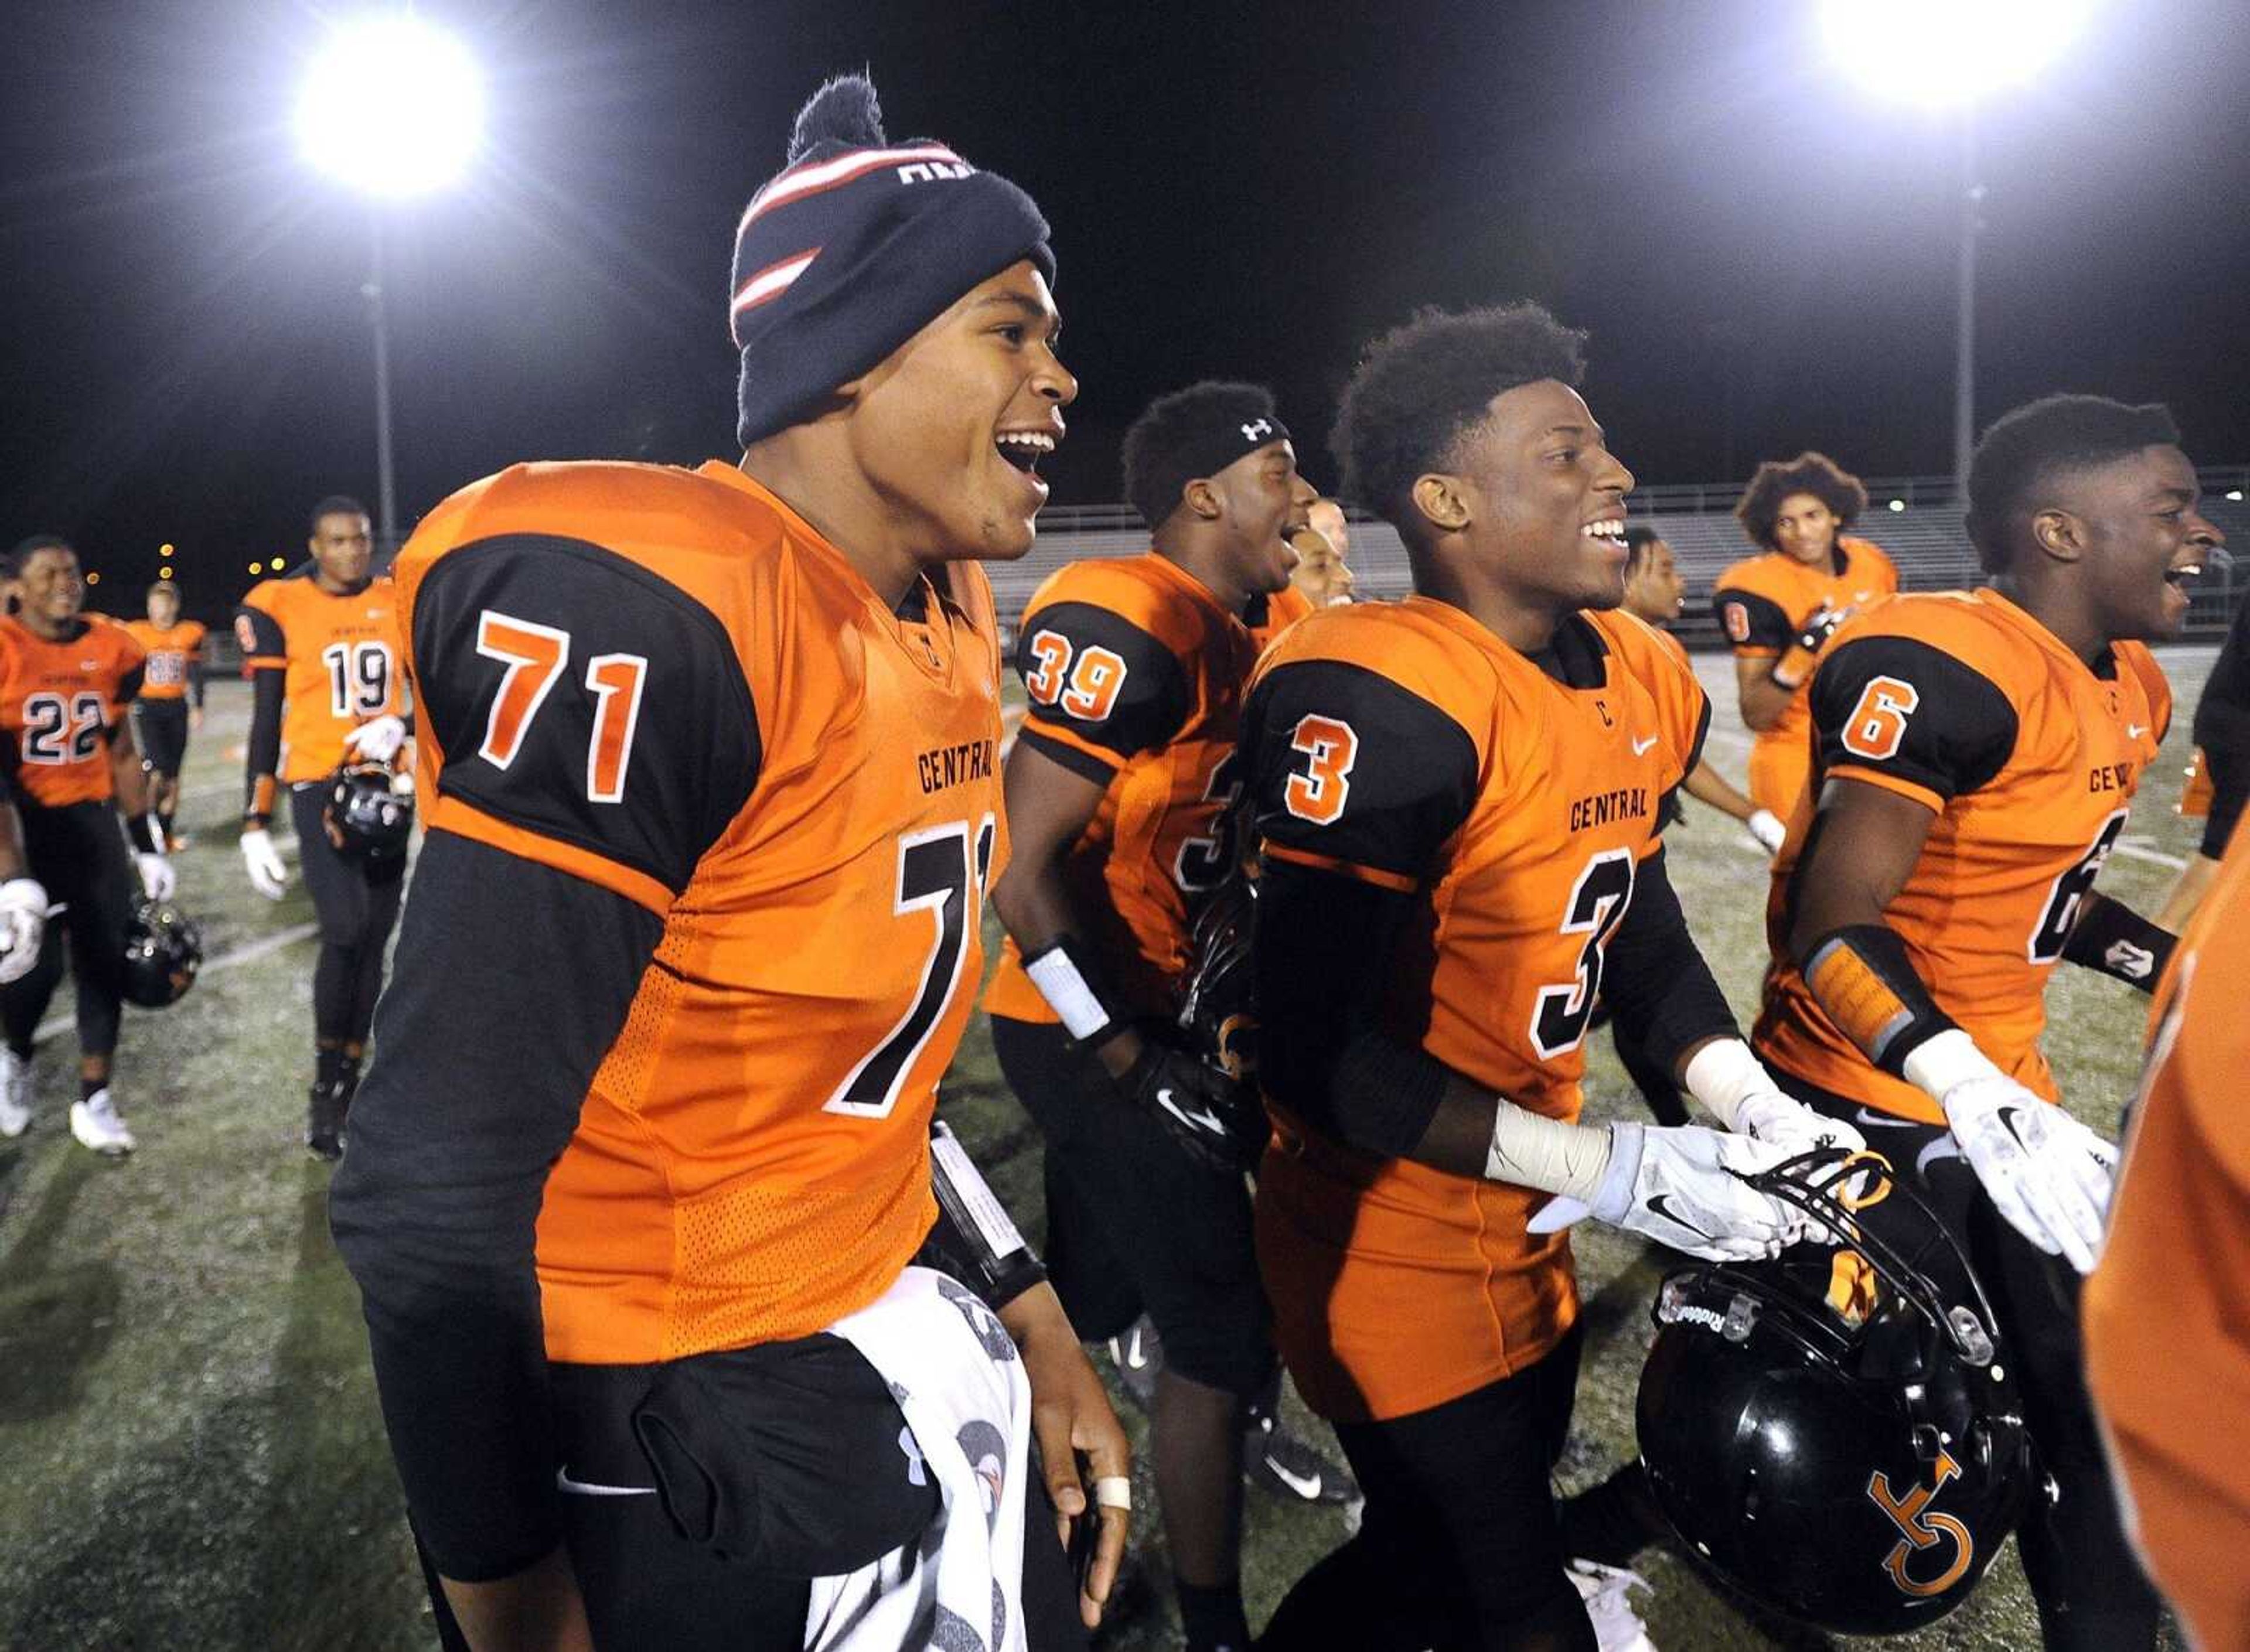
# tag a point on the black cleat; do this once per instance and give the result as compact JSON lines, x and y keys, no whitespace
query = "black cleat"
{"x":1279,"y":1461}
{"x":324,"y":1121}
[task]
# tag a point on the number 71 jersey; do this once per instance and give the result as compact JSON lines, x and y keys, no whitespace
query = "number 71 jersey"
{"x":339,"y":654}
{"x":666,"y":683}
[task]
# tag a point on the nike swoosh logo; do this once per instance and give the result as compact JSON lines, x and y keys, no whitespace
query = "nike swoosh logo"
{"x":592,"y":1489}
{"x":1208,"y":1122}
{"x":1136,"y":1356}
{"x":1307,"y":1486}
{"x":1662,"y":1204}
{"x":1885,"y":1120}
{"x":1641,"y":745}
{"x":2134,"y":730}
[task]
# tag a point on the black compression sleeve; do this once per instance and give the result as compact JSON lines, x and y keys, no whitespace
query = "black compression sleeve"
{"x":483,"y":1062}
{"x":1657,"y":987}
{"x":263,"y":751}
{"x":1323,"y":959}
{"x":2111,"y":937}
{"x":196,"y":677}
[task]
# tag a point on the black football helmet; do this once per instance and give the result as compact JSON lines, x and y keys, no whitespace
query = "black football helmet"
{"x":365,"y":817}
{"x":163,"y":949}
{"x":1215,"y":1009}
{"x":1834,"y":1433}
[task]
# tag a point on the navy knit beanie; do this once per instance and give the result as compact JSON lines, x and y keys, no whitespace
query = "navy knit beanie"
{"x":854,"y":247}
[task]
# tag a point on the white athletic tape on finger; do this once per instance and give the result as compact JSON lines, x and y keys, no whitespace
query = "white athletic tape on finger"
{"x":1113,"y":1491}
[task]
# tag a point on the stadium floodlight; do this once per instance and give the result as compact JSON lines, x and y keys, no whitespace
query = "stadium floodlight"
{"x":393,"y":105}
{"x":1949,"y":54}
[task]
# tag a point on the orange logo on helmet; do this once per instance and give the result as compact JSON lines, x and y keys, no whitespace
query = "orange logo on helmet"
{"x":1919,"y":1531}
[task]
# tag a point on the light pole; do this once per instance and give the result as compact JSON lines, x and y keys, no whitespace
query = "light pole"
{"x":393,"y":106}
{"x":1948,"y":54}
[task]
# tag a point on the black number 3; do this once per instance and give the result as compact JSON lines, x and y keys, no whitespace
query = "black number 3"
{"x":1599,"y":900}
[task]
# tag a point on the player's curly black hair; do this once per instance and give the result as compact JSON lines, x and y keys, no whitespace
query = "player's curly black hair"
{"x":2024,"y":451}
{"x":1157,"y":453}
{"x":1419,"y":386}
{"x":1639,"y":536}
{"x":1815,"y":473}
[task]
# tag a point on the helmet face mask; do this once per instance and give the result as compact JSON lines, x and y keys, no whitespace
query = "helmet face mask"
{"x":1836,"y":1432}
{"x":163,"y":950}
{"x":365,"y":817}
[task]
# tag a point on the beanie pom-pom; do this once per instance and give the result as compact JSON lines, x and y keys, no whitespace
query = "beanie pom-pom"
{"x":843,"y":111}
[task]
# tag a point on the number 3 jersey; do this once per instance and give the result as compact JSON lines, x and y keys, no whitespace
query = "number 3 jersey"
{"x":58,"y":702}
{"x":1403,"y":745}
{"x":666,"y":683}
{"x":1135,"y":676}
{"x":340,"y":654}
{"x":2029,"y":758}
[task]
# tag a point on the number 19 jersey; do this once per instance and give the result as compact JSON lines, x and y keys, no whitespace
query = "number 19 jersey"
{"x":340,"y":654}
{"x":1403,"y":745}
{"x":2029,"y":759}
{"x":666,"y":682}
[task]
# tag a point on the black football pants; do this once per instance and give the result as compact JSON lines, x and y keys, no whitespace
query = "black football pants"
{"x":357,"y":900}
{"x":2091,"y":1593}
{"x":78,"y":854}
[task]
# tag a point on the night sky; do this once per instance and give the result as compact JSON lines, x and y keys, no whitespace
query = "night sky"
{"x":1763,"y":253}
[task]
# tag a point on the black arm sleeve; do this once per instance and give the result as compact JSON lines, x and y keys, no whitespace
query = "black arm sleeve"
{"x":1896,"y":706}
{"x":1750,"y":620}
{"x":264,"y":748}
{"x":1654,"y":980}
{"x":474,"y":1093}
{"x":196,"y":676}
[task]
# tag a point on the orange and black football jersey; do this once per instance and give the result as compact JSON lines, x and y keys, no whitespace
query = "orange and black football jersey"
{"x":171,"y":651}
{"x":341,"y":657}
{"x":1284,"y":607}
{"x":1514,"y":798}
{"x":2168,"y":1355}
{"x":666,"y":682}
{"x":58,"y":702}
{"x":2029,"y":759}
{"x":1763,"y":602}
{"x":1135,"y":675}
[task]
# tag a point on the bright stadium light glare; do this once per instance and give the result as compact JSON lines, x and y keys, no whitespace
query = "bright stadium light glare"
{"x":1949,"y":52}
{"x":393,"y":105}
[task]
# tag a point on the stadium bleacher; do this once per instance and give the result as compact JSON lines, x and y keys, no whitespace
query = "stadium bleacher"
{"x":1914,"y":519}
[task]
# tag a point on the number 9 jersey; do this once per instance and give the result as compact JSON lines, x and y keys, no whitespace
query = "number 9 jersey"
{"x":666,"y":683}
{"x":341,"y":657}
{"x":2029,"y":758}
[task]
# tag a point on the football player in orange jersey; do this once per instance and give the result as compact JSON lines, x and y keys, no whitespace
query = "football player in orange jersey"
{"x":1976,"y":754}
{"x":1779,"y":609}
{"x":1121,"y":787}
{"x":2167,"y":1357}
{"x":65,"y":680}
{"x":171,"y":701}
{"x":709,"y":764}
{"x":1457,"y":799}
{"x":322,"y":649}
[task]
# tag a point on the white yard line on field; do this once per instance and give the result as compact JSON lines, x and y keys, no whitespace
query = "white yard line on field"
{"x":2136,"y":851}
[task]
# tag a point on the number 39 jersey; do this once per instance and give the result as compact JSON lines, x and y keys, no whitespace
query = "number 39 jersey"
{"x":1136,"y":674}
{"x":666,"y":682}
{"x":2028,"y":758}
{"x":1514,"y":798}
{"x":340,"y":655}
{"x":58,"y":701}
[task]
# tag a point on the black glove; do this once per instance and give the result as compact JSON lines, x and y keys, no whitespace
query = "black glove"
{"x":1798,"y":660}
{"x":1216,"y":1121}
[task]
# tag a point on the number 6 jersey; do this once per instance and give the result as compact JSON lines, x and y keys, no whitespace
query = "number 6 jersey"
{"x":1403,"y":745}
{"x":2029,"y":758}
{"x":666,"y":683}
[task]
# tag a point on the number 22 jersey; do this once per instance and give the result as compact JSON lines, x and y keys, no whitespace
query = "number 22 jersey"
{"x":1403,"y":745}
{"x":668,"y":684}
{"x":2029,"y":758}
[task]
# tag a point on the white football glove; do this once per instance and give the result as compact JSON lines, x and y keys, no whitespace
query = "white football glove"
{"x":377,"y":740}
{"x":1682,"y":1186}
{"x":2047,"y":1173}
{"x":23,"y":926}
{"x":263,"y":862}
{"x":158,"y":880}
{"x":1769,"y":829}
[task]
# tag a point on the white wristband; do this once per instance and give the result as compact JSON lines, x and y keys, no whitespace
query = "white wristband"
{"x":1723,"y":1075}
{"x":1549,"y":1154}
{"x":1066,"y":993}
{"x":1951,"y":1058}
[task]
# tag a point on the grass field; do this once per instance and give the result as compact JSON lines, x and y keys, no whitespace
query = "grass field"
{"x":190,"y":1451}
